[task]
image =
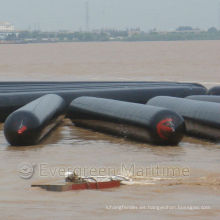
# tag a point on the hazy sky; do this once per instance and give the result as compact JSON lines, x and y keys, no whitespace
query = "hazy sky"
{"x":146,"y":14}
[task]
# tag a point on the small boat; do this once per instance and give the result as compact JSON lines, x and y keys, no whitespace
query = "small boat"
{"x":75,"y":182}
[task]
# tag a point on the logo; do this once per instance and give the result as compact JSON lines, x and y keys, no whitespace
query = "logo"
{"x":165,"y":127}
{"x":25,"y":170}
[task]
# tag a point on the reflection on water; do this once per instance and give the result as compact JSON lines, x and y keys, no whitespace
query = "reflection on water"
{"x":69,"y":146}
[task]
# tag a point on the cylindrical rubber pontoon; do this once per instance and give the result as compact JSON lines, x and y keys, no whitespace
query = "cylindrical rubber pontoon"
{"x":141,"y":122}
{"x":206,"y":98}
{"x":201,"y":118}
{"x":10,"y":102}
{"x":93,"y":83}
{"x":214,"y":91}
{"x":10,"y":87}
{"x":29,"y":124}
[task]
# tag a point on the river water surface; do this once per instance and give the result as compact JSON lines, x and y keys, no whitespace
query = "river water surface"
{"x":193,"y":192}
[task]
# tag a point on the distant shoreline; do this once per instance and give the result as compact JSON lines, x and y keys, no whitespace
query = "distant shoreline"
{"x":60,"y":42}
{"x":26,"y":37}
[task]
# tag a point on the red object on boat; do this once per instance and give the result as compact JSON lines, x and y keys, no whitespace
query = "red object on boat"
{"x":96,"y":185}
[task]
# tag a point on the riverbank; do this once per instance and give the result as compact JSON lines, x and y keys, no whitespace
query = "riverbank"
{"x":24,"y":37}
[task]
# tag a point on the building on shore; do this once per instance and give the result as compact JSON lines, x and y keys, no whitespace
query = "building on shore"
{"x":6,"y":27}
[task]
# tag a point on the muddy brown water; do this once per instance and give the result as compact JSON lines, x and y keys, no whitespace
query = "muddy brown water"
{"x":192,"y":192}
